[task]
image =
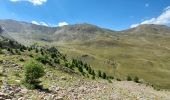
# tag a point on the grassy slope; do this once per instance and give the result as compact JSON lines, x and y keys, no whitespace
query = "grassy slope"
{"x":74,"y":86}
{"x":146,"y":57}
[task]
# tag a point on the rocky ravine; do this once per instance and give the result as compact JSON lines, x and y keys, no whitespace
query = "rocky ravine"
{"x":67,"y":87}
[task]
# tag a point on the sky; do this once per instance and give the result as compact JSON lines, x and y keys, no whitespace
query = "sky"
{"x":111,"y":14}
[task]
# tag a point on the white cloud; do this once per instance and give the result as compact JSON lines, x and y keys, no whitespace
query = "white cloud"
{"x":134,"y":25}
{"x":162,"y":19}
{"x":62,"y":24}
{"x":34,"y":2}
{"x":34,"y":22}
{"x":43,"y":23}
{"x":39,"y":23}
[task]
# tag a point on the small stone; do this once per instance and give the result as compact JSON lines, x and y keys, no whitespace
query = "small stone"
{"x":63,"y":78}
{"x":59,"y":98}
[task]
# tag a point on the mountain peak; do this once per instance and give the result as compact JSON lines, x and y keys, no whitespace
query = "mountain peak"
{"x":148,"y":29}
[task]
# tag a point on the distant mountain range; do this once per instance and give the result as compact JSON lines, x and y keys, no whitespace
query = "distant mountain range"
{"x":25,"y":32}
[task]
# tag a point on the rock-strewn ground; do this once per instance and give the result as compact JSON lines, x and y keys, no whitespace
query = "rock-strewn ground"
{"x":87,"y":90}
{"x":62,"y":86}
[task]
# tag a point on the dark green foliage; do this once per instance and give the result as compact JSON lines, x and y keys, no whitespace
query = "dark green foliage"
{"x":36,"y":50}
{"x":21,"y":49}
{"x":1,"y":44}
{"x":129,"y":78}
{"x":118,"y":79}
{"x":42,"y":53}
{"x":1,"y":52}
{"x":104,"y":75}
{"x":86,"y":66}
{"x":57,"y":61}
{"x":136,"y":79}
{"x":43,"y":59}
{"x":17,"y":52}
{"x":93,"y":73}
{"x":109,"y":81}
{"x":11,"y":42}
{"x":17,"y":74}
{"x":53,"y":55}
{"x":53,"y":50}
{"x":12,"y":52}
{"x":93,"y":77}
{"x":110,"y":77}
{"x":66,"y":64}
{"x":24,"y":47}
{"x":33,"y":71}
{"x":21,"y":59}
{"x":80,"y":69}
{"x":89,"y":70}
{"x":8,"y":49}
{"x":71,"y":66}
{"x":31,"y":55}
{"x":99,"y":74}
{"x":29,"y":49}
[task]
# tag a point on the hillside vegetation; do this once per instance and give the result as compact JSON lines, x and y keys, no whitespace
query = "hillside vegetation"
{"x":61,"y":78}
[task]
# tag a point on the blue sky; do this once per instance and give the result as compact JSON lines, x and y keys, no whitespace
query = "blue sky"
{"x":112,"y":14}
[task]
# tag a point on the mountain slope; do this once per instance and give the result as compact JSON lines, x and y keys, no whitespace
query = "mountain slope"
{"x":149,"y":29}
{"x":32,"y":32}
{"x":7,"y":41}
{"x":61,"y":85}
{"x":142,"y":51}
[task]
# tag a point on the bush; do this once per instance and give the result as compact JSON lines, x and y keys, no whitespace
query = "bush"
{"x":29,"y":49}
{"x":109,"y":81}
{"x":43,"y":59}
{"x":21,"y":49}
{"x":21,"y":59}
{"x":93,"y":73}
{"x":53,"y":55}
{"x":99,"y":74}
{"x":42,"y":53}
{"x":136,"y":79}
{"x":129,"y":78}
{"x":33,"y":71}
{"x":10,"y":50}
{"x":1,"y":52}
{"x":118,"y":79}
{"x":93,"y":77}
{"x":104,"y":76}
{"x":17,"y":52}
{"x":80,"y":69}
{"x":57,"y":61}
{"x":31,"y":55}
{"x":36,"y":50}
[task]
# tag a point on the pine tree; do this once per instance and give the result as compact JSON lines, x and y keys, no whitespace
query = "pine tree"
{"x":104,"y":75}
{"x":99,"y":74}
{"x":33,"y":71}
